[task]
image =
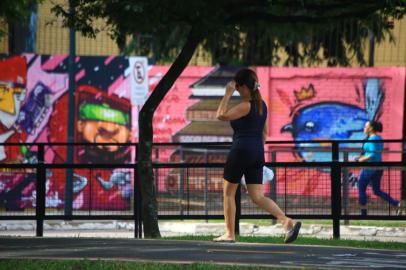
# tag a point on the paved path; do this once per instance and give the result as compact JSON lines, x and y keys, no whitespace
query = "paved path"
{"x":201,"y":251}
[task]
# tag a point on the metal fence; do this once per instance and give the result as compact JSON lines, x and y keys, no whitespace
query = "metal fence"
{"x":311,"y":181}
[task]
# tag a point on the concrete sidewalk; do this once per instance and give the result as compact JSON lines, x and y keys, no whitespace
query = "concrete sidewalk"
{"x":125,"y":229}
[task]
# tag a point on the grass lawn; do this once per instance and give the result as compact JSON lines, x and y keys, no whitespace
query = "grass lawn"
{"x":306,"y":241}
{"x":268,"y":222}
{"x":373,"y":223}
{"x":111,"y":265}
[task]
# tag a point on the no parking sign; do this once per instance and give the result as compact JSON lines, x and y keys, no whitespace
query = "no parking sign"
{"x":139,"y":80}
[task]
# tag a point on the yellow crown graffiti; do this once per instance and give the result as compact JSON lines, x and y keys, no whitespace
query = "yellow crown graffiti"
{"x":305,"y":93}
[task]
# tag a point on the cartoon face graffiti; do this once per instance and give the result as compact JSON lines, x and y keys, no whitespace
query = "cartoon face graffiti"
{"x":100,"y":123}
{"x":102,"y":119}
{"x":11,"y":98}
{"x":13,"y":77}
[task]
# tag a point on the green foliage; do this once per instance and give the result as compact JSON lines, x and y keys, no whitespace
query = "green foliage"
{"x":25,"y":264}
{"x":245,"y":32}
{"x":14,"y":10}
{"x":304,"y":241}
{"x":308,"y":38}
{"x":167,"y":22}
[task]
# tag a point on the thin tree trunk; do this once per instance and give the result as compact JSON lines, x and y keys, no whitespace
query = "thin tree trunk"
{"x":144,"y":156}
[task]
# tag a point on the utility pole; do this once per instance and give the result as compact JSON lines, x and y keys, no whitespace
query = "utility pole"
{"x":71,"y":113}
{"x":371,"y":55}
{"x":403,"y":183}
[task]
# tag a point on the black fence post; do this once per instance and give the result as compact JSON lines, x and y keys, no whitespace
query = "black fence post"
{"x":273,"y":185}
{"x":137,"y":201}
{"x":206,"y":186}
{"x":181,"y":192}
{"x":345,"y":188}
{"x":237,"y":210}
{"x":156,"y":171}
{"x":335,"y":190}
{"x":40,"y":190}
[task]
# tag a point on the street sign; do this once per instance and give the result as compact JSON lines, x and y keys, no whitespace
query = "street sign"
{"x":139,"y":80}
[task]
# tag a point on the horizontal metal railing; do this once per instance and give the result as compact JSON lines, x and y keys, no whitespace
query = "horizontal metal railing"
{"x":335,"y":167}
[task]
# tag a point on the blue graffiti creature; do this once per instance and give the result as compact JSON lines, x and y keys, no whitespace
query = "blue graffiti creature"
{"x":334,"y":121}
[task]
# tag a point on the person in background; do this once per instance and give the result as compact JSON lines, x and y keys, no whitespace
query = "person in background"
{"x":372,"y":152}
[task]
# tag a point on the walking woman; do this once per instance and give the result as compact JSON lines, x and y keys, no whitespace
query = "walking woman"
{"x":246,"y":157}
{"x":372,"y":152}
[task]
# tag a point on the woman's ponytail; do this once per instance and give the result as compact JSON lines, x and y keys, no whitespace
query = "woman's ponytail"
{"x":249,"y":78}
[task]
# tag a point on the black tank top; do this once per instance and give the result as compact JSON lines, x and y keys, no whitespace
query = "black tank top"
{"x":248,"y":129}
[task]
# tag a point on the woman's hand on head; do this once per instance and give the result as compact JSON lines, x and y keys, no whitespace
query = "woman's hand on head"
{"x":230,"y":87}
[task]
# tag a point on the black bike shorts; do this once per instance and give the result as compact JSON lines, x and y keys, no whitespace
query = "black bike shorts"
{"x":247,"y":162}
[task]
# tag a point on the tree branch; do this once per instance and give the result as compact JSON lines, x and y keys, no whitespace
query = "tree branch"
{"x":305,"y":17}
{"x":173,"y":73}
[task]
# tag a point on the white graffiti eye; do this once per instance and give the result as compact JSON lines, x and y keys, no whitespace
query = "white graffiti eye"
{"x":309,"y":126}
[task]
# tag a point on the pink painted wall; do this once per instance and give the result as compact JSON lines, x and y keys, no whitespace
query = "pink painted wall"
{"x":289,"y":91}
{"x":170,"y":117}
{"x":343,"y":85}
{"x":337,"y":87}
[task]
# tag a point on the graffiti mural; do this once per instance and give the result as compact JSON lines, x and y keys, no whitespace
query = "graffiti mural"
{"x":34,"y":108}
{"x":13,"y":93}
{"x":332,"y":120}
{"x":304,"y":104}
{"x":324,"y":104}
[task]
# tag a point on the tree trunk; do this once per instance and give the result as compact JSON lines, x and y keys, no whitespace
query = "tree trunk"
{"x":145,"y":175}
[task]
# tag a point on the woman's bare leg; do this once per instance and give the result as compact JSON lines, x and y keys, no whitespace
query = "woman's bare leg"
{"x":257,"y":195}
{"x":229,"y":190}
